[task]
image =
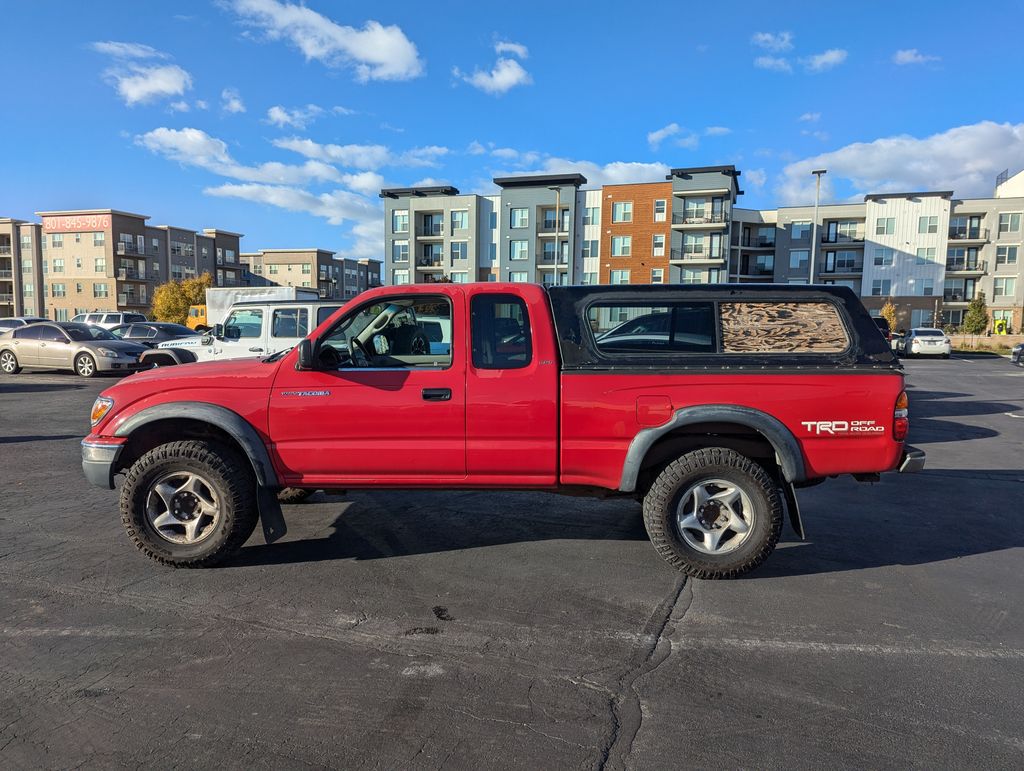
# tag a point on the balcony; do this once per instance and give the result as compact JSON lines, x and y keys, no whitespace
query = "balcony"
{"x":758,"y":271}
{"x":696,"y":219}
{"x":551,"y":228}
{"x":968,"y":234}
{"x":760,"y":242}
{"x":131,"y":299}
{"x":847,"y":268}
{"x":6,"y":298}
{"x":5,"y":250}
{"x":696,"y":254}
{"x":429,"y":263}
{"x":955,"y":296}
{"x":435,"y":230}
{"x":6,"y":274}
{"x":125,"y":248}
{"x":966,"y":266}
{"x":842,"y":238}
{"x":131,"y":274}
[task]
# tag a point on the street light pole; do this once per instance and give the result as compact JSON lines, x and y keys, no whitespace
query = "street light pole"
{"x":558,"y":228}
{"x":814,"y":228}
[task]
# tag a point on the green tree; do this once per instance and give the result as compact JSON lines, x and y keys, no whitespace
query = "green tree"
{"x":888,"y":313}
{"x":976,"y":319}
{"x":171,"y":300}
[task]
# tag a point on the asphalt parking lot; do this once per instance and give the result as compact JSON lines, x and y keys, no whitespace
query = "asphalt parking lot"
{"x":465,"y":629}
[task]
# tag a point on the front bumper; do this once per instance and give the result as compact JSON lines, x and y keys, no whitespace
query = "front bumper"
{"x":98,"y":462}
{"x":120,"y":364}
{"x":912,"y":460}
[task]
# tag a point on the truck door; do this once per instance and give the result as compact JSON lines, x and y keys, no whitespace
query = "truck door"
{"x":512,"y":389}
{"x":380,"y":406}
{"x":287,"y":327}
{"x":244,"y":335}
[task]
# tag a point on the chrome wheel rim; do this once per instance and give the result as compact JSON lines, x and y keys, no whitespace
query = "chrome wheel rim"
{"x":715,"y":516}
{"x":85,"y":366}
{"x":183,"y":508}
{"x":7,"y":362}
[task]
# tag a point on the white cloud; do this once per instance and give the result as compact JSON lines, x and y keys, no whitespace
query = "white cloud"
{"x":193,"y":147}
{"x":181,"y":106}
{"x":616,"y":173}
{"x":506,"y":75}
{"x":756,"y":177}
{"x":337,"y":206}
{"x":717,"y":131}
{"x":475,"y":148}
{"x":365,"y":182}
{"x":655,"y":138}
{"x":773,"y":41}
{"x":127,"y":50}
{"x":965,"y":159}
{"x":913,"y":56}
{"x":822,"y":136}
{"x":231,"y":101}
{"x":202,"y":105}
{"x":298,"y":118}
{"x":430,"y":182}
{"x":773,"y":63}
{"x":690,"y":141}
{"x":363,"y":156}
{"x":810,"y":117}
{"x":339,"y":110}
{"x":507,"y":47}
{"x":375,"y":51}
{"x":507,"y":153}
{"x":826,"y":60}
{"x":388,"y":127}
{"x":137,"y":84}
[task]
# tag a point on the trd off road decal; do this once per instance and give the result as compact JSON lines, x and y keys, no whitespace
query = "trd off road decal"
{"x":842,"y":427}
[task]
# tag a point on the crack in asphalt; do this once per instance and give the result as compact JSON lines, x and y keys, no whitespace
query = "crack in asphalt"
{"x":651,"y":653}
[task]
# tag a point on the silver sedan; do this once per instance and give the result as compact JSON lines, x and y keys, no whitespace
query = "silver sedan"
{"x":67,"y":345}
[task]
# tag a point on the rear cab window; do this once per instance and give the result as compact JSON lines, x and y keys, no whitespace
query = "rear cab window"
{"x":500,"y":329}
{"x":674,"y":327}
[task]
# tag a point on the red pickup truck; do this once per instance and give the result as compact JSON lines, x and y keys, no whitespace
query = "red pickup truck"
{"x":710,"y":404}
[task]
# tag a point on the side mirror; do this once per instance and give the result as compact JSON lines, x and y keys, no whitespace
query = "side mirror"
{"x":218,"y":331}
{"x":305,"y":360}
{"x":380,"y":345}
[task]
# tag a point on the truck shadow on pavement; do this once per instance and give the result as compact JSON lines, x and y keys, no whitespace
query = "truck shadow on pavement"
{"x":931,"y":411}
{"x":30,"y":388}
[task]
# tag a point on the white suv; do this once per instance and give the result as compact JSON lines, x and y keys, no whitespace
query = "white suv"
{"x":109,"y":320}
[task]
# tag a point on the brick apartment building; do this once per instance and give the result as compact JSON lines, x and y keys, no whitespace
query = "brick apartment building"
{"x":334,"y":278}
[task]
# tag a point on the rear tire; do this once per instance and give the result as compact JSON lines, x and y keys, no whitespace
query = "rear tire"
{"x":9,"y":363}
{"x":189,"y":504}
{"x":85,"y":365}
{"x":713,"y":513}
{"x":294,"y":495}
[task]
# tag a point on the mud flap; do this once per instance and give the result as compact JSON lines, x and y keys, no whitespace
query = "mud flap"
{"x":789,"y":492}
{"x":271,"y":516}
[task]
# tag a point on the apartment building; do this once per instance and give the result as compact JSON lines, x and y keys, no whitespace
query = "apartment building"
{"x":103,"y":259}
{"x":312,"y":268}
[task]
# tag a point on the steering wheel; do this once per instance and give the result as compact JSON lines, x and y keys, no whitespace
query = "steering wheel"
{"x":358,"y":353}
{"x":328,"y":357}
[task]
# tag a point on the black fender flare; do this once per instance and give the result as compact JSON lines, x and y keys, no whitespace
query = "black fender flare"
{"x":177,"y":355}
{"x":234,"y":424}
{"x":791,"y":459}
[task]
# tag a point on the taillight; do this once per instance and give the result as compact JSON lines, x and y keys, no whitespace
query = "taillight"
{"x":900,"y":417}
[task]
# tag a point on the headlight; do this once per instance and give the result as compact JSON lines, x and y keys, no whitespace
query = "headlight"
{"x":108,"y":353}
{"x":100,"y":408}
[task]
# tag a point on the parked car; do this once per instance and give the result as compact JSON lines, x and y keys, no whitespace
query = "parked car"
{"x":793,"y":386}
{"x":67,"y":345}
{"x":923,"y":341}
{"x":13,"y":322}
{"x":152,"y":332}
{"x":1017,"y":354}
{"x":108,"y":320}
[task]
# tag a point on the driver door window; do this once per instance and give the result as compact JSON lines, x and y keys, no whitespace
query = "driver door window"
{"x":401,"y":332}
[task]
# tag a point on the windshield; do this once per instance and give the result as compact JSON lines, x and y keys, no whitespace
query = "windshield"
{"x":929,"y":333}
{"x":82,"y":332}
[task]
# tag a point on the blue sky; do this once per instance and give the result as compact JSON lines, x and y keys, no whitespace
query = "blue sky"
{"x":282,"y":121}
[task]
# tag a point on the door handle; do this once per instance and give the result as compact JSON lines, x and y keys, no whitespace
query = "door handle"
{"x":437,"y":394}
{"x":256,"y":349}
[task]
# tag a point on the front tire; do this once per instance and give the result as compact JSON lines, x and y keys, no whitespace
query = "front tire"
{"x":189,"y":504}
{"x":9,"y":363}
{"x":293,"y":495}
{"x":713,"y":513}
{"x":85,"y":365}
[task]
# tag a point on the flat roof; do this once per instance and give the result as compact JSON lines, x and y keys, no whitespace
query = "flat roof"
{"x":538,"y":180}
{"x":409,"y":192}
{"x":729,"y":170}
{"x":283,"y":251}
{"x":174,"y":227}
{"x":920,"y":194}
{"x":65,"y":212}
{"x":223,"y":232}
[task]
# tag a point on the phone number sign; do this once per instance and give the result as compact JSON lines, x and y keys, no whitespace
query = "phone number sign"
{"x":76,"y":224}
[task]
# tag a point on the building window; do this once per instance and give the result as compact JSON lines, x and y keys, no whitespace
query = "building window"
{"x":622,"y":211}
{"x":591,"y":248}
{"x":926,"y":255}
{"x":459,"y":277}
{"x":100,"y":265}
{"x":26,"y":243}
{"x":589,"y":279}
{"x":657,"y":275}
{"x":798,"y":259}
{"x":78,"y":263}
{"x":1004,"y":316}
{"x":619,"y":277}
{"x":883,"y":257}
{"x":400,"y":221}
{"x":28,"y":289}
{"x":927,"y":287}
{"x":60,"y":314}
{"x":78,"y":288}
{"x":272,"y":269}
{"x":658,"y":245}
{"x":591,"y":216}
{"x":660,"y":209}
{"x":1004,"y":287}
{"x":519,"y":218}
{"x":99,"y":239}
{"x":58,"y":264}
{"x":59,"y":290}
{"x":399,"y":277}
{"x":57,"y":240}
{"x":517,"y":277}
{"x":400,"y":251}
{"x":460,"y":220}
{"x":307,"y":268}
{"x":26,"y":264}
{"x":460,"y":250}
{"x":518,"y":250}
{"x":1006,"y":255}
{"x":622,"y":246}
{"x":1009,"y":223}
{"x":881,"y":287}
{"x":691,"y":276}
{"x":927,"y":224}
{"x":885,"y":226}
{"x":100,"y":290}
{"x":800,"y":230}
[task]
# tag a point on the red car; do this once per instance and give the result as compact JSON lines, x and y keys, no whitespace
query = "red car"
{"x":712,"y":409}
